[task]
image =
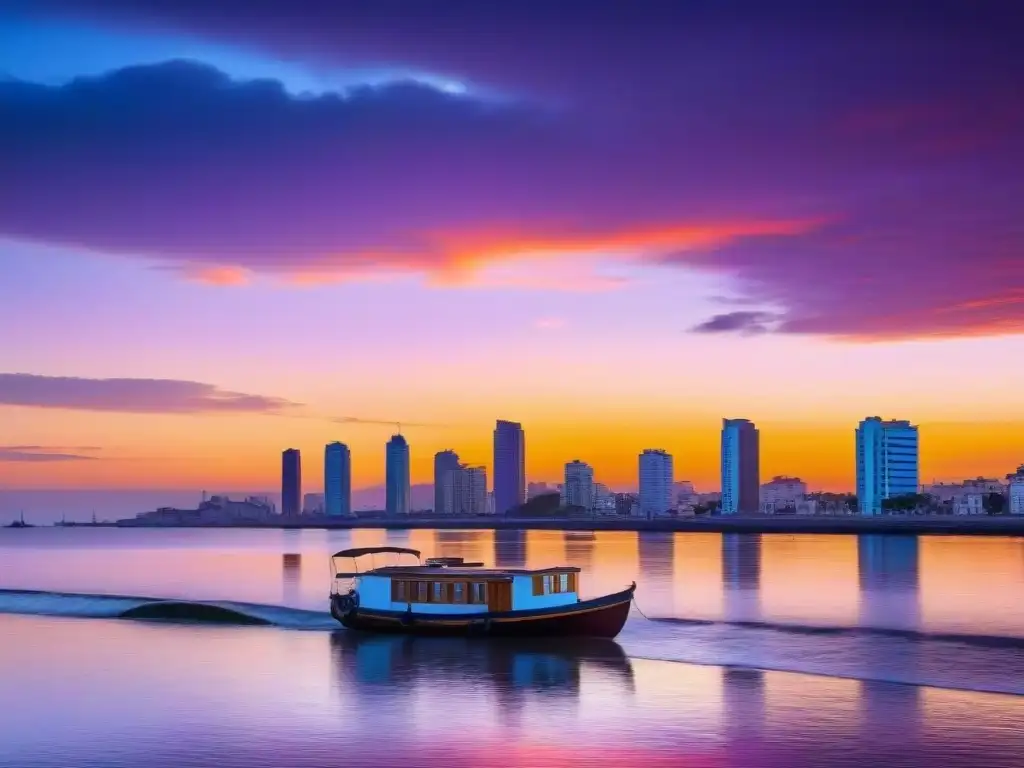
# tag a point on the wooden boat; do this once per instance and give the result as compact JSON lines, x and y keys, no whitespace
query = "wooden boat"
{"x":447,"y":596}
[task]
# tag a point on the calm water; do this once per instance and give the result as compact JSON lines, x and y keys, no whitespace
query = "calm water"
{"x":758,"y":651}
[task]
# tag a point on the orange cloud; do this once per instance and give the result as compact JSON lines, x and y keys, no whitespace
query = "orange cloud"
{"x":216,"y":275}
{"x":470,"y":250}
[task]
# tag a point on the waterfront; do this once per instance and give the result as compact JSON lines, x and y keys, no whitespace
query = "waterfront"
{"x":765,"y":649}
{"x":979,"y":525}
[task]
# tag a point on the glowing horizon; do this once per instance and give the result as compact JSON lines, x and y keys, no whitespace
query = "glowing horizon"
{"x":277,"y":237}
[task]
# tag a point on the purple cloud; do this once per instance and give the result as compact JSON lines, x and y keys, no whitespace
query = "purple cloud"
{"x":747,"y":323}
{"x":859,"y":165}
{"x":42,"y":453}
{"x":131,"y":396}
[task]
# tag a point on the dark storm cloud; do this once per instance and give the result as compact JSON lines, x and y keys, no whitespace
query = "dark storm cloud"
{"x":858,"y":164}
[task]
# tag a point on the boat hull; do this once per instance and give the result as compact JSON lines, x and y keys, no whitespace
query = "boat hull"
{"x":600,"y":617}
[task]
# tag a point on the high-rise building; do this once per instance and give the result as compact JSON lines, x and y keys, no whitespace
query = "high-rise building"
{"x":397,"y":488}
{"x":337,"y":480}
{"x":887,"y":462}
{"x":509,"y":466}
{"x":656,"y":478}
{"x":465,"y":491}
{"x":1015,"y":491}
{"x":741,"y":467}
{"x":312,"y":503}
{"x":291,"y":483}
{"x":578,"y":488}
{"x":444,"y":462}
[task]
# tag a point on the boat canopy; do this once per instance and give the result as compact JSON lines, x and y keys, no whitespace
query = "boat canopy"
{"x":360,"y":551}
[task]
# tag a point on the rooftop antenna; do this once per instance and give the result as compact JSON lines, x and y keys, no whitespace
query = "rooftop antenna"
{"x":399,"y":425}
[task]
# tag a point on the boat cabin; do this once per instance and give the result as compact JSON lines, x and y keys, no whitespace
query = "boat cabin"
{"x":450,"y":585}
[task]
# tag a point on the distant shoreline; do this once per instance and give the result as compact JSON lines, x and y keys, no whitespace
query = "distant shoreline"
{"x":961,"y":526}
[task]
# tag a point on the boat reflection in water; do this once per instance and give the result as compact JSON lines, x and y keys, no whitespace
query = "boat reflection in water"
{"x":549,"y":665}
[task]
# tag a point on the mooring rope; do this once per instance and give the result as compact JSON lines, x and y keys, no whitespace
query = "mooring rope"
{"x":637,"y":606}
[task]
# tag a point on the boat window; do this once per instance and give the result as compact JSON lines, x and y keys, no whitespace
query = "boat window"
{"x":438,"y":593}
{"x":421,"y":592}
{"x":538,"y":585}
{"x":563,"y":582}
{"x":459,"y":589}
{"x":478,"y":592}
{"x":548,"y":584}
{"x":399,"y":591}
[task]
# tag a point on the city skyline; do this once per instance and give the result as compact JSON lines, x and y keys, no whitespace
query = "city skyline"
{"x":627,"y":246}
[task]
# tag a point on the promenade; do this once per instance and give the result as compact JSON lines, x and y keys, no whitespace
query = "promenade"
{"x":937,"y":525}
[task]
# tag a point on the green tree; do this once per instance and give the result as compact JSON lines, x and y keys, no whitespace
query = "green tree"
{"x":994,"y":503}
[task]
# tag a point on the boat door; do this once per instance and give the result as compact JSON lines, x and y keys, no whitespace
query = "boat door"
{"x":499,"y":596}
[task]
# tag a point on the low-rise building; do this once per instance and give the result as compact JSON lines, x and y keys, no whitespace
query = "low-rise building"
{"x":533,"y":490}
{"x":949,"y":492}
{"x":969,"y":503}
{"x":782,"y":494}
{"x":218,"y":510}
{"x":604,"y":500}
{"x":626,"y":504}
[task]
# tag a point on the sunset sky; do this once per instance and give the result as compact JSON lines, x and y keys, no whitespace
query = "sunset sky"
{"x":231,"y":228}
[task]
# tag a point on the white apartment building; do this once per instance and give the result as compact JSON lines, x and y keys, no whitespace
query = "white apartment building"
{"x":887,"y":462}
{"x":578,"y":488}
{"x":656,"y":482}
{"x":465,"y":491}
{"x":1016,"y":505}
{"x":782,"y":493}
{"x":604,"y":500}
{"x":951,"y":492}
{"x":969,"y":504}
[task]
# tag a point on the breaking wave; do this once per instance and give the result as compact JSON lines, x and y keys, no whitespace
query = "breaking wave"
{"x":69,"y":604}
{"x":986,"y":641}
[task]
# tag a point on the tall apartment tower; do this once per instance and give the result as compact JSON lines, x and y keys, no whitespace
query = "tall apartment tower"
{"x":656,"y":482}
{"x":578,"y":488}
{"x":337,"y":480}
{"x":291,"y":483}
{"x":396,"y":468}
{"x":444,"y":462}
{"x":741,"y":467}
{"x":465,"y":491}
{"x":509,"y":466}
{"x":887,"y":462}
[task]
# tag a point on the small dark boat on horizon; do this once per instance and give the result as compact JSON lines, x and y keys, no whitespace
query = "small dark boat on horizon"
{"x":449,"y":597}
{"x":20,"y":523}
